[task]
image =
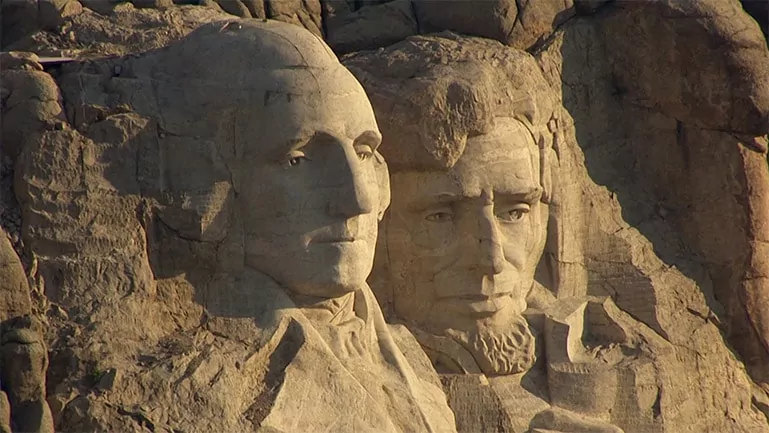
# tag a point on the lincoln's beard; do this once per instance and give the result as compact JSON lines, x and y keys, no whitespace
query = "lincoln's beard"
{"x":500,"y":350}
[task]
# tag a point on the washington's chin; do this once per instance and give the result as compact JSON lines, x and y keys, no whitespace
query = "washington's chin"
{"x":331,"y":281}
{"x":322,"y":269}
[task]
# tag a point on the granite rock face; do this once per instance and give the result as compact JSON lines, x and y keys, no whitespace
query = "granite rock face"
{"x":23,"y":354}
{"x":435,"y":258}
{"x":652,"y":116}
{"x":218,"y":302}
{"x":123,"y":29}
{"x":676,"y":180}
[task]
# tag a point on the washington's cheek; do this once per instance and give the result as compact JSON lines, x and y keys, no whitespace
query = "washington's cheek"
{"x":368,"y":229}
{"x":271,"y":247}
{"x":357,"y":258}
{"x":267,"y":196}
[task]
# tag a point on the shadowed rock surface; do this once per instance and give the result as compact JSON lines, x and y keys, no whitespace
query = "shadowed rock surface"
{"x":662,"y":194}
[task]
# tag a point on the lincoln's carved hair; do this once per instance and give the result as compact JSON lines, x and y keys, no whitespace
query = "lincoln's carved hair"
{"x":440,"y":90}
{"x":431,"y":93}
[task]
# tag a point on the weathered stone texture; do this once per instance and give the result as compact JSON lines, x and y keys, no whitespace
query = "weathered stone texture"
{"x":130,"y":243}
{"x":611,"y":234}
{"x":660,"y":202}
{"x":123,"y":30}
{"x":640,"y":253}
{"x":369,"y":27}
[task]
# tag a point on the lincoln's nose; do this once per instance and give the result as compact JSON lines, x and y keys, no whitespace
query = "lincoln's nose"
{"x":491,"y":255}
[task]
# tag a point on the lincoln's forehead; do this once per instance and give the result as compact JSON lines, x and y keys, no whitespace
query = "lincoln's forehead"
{"x":507,"y":150}
{"x":508,"y":139}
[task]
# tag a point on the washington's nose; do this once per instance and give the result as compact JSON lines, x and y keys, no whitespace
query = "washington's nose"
{"x":353,"y":193}
{"x":491,"y":255}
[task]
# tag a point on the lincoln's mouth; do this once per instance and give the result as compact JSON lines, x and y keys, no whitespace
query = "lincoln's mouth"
{"x":475,"y":297}
{"x":480,"y":297}
{"x":481,"y":305}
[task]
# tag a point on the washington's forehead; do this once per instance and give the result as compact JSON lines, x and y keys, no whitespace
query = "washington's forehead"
{"x":263,"y":86}
{"x":248,"y":54}
{"x":262,"y":44}
{"x":333,"y":80}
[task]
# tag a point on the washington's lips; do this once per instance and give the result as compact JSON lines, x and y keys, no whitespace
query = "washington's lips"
{"x":337,"y":233}
{"x":335,"y":240}
{"x":335,"y":237}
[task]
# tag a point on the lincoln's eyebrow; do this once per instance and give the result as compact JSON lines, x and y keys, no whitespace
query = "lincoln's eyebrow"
{"x":529,"y":195}
{"x":447,"y":196}
{"x":428,"y":201}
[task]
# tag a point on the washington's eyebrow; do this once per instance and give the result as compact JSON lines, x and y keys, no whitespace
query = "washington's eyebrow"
{"x":369,"y":138}
{"x":299,"y":141}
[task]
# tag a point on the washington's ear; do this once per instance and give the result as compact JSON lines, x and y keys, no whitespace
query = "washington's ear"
{"x":383,"y":182}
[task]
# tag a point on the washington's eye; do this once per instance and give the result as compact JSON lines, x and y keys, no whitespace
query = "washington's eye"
{"x":439,"y":217}
{"x":514,"y":214}
{"x":364,"y":152}
{"x":295,"y":158}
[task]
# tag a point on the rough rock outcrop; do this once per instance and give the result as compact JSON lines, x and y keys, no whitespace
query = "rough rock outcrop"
{"x":23,"y":354}
{"x":124,"y":30}
{"x":369,"y":27}
{"x":690,"y":166}
{"x":162,"y":235}
{"x":602,"y":242}
{"x":662,"y":178}
{"x":24,"y":17}
{"x":516,"y":23}
{"x":14,"y":298}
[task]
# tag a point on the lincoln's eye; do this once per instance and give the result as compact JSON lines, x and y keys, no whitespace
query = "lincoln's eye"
{"x":439,"y":217}
{"x":513,"y":215}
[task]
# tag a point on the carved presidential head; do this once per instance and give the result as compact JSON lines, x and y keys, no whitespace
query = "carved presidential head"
{"x":465,"y":126}
{"x":277,"y":149}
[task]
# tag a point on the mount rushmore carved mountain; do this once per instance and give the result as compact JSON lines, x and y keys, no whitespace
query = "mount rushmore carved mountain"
{"x":326,"y":215}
